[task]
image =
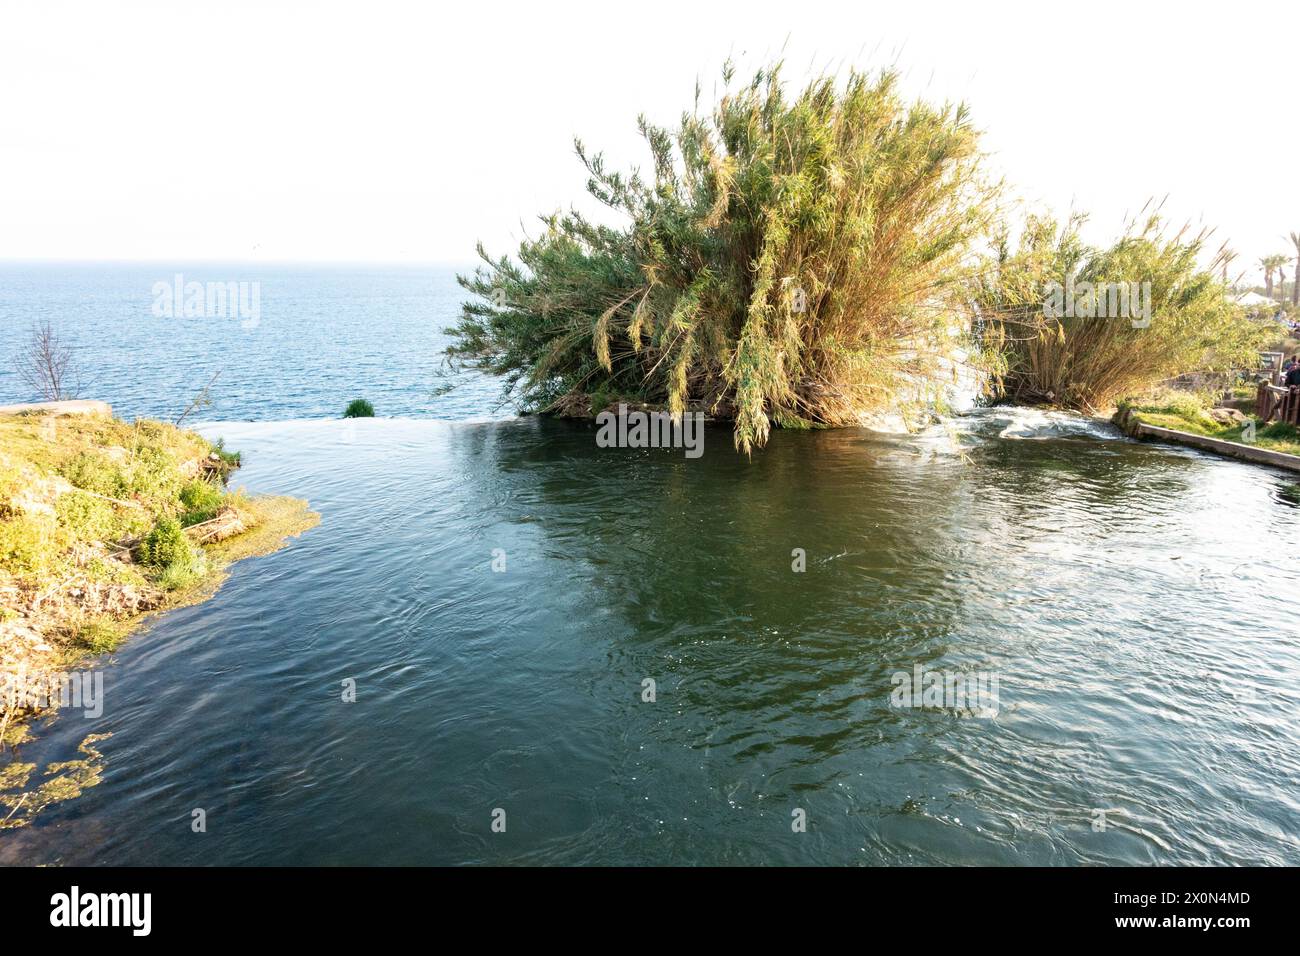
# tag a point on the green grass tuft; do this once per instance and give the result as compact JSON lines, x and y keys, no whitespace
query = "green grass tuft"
{"x":200,"y":501}
{"x":183,"y":571}
{"x":87,"y":518}
{"x":95,"y":473}
{"x":27,"y":543}
{"x":166,"y":546}
{"x":101,"y":636}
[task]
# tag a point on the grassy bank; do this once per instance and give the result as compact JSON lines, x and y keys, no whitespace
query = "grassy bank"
{"x":103,"y":522}
{"x":1190,"y":413}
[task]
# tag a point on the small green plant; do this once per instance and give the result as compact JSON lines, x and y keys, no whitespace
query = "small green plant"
{"x":1281,"y":431}
{"x":114,"y":572}
{"x":166,"y":545}
{"x":100,"y":637}
{"x":182,"y":572}
{"x":152,"y":476}
{"x":26,"y":543}
{"x":12,"y":483}
{"x":201,"y":500}
{"x":95,"y":473}
{"x":359,"y":408}
{"x":229,"y":458}
{"x":86,"y":517}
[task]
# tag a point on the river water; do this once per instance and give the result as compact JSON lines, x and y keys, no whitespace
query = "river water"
{"x":1137,"y":605}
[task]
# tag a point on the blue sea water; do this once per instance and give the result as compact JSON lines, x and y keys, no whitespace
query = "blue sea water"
{"x":323,"y":336}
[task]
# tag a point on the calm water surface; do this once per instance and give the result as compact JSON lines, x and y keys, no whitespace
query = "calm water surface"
{"x":1137,"y":602}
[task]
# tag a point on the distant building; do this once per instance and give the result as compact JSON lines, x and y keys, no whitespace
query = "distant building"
{"x":1253,"y":299}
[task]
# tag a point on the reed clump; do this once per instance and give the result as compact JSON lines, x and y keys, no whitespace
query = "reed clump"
{"x":806,"y":260}
{"x":1082,"y":327}
{"x":796,"y":260}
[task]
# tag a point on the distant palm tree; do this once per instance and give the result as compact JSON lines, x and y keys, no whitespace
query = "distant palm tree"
{"x":1270,"y":263}
{"x":1280,"y":262}
{"x":1295,"y":283}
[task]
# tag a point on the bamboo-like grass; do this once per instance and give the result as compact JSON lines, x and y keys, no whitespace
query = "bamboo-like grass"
{"x":792,"y":260}
{"x":1089,"y":362}
{"x":805,"y":260}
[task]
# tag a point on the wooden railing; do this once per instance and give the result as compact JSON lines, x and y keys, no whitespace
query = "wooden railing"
{"x":1276,"y":403}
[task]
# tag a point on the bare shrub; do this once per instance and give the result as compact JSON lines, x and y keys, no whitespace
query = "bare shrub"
{"x":44,"y":363}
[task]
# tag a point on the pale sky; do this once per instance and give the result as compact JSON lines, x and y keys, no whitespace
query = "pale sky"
{"x":377,"y":131}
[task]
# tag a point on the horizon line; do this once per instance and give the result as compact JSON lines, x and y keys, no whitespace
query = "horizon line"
{"x":56,"y":260}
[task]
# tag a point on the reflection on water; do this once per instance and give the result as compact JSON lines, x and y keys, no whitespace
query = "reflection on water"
{"x":1136,"y":603}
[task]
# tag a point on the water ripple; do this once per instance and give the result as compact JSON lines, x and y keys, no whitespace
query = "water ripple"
{"x":1136,"y":603}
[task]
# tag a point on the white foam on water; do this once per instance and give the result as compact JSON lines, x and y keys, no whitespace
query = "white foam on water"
{"x":1023,"y":423}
